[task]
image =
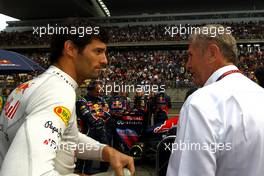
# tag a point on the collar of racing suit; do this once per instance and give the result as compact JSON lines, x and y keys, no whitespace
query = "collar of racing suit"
{"x":62,"y":75}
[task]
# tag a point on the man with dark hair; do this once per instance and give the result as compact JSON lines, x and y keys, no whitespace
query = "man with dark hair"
{"x":259,"y":73}
{"x":140,"y":102}
{"x":93,"y":112}
{"x":220,"y":131}
{"x":118,"y":104}
{"x":57,"y":42}
{"x":38,"y":127}
{"x":161,"y":105}
{"x":141,"y":107}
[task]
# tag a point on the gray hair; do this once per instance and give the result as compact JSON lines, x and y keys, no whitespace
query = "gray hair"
{"x":219,"y":35}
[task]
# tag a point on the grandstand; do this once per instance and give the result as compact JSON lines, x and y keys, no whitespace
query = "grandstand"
{"x":140,"y":51}
{"x":144,"y":30}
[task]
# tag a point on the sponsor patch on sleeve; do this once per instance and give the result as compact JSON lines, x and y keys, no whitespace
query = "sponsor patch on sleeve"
{"x":64,"y":113}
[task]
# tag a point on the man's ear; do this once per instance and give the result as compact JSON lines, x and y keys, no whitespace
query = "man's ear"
{"x":213,"y":52}
{"x":70,"y":49}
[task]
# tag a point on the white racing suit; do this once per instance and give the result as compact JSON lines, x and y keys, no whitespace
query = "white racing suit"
{"x":38,"y":129}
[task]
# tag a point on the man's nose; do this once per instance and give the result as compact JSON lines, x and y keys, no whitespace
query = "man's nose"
{"x":104,"y":59}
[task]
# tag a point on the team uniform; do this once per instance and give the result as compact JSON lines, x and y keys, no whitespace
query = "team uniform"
{"x":38,"y":128}
{"x":161,"y":106}
{"x":93,"y":113}
{"x":221,"y":127}
{"x":140,"y":103}
{"x":118,"y":104}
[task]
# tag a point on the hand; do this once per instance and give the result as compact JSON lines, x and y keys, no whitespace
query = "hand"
{"x":118,"y":161}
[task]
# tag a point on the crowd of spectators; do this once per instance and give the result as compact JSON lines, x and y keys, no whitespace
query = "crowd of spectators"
{"x":159,"y":67}
{"x":22,"y":38}
{"x":164,"y":67}
{"x":137,"y":67}
{"x":146,"y":67}
{"x":42,"y":58}
{"x":138,"y":33}
{"x":150,"y":33}
{"x":13,"y":80}
{"x":249,"y":62}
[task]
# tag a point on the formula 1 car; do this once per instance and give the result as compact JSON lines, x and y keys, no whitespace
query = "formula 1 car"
{"x":132,"y":137}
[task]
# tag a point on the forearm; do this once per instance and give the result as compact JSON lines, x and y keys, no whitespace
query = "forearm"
{"x":89,"y":148}
{"x":107,"y":152}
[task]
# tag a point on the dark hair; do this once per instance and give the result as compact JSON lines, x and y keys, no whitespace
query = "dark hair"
{"x":58,"y":40}
{"x":92,"y":85}
{"x":259,"y":73}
